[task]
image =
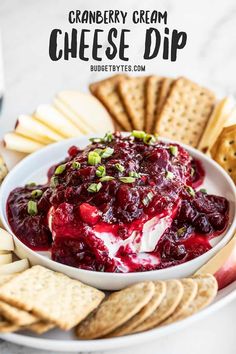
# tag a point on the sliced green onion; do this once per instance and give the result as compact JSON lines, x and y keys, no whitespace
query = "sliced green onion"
{"x":127,"y":179}
{"x":101,"y":171}
{"x":54,"y":182}
{"x":181,"y":231}
{"x":31,"y":184}
{"x":108,"y":137}
{"x":32,"y":208}
{"x":93,"y":158}
{"x":119,"y":167}
{"x":192,"y":171}
{"x":203,"y":190}
{"x":94,"y":187}
{"x":139,"y":134}
{"x":148,"y":198}
{"x":107,"y":152}
{"x":169,"y":175}
{"x":106,"y":179}
{"x":98,"y":151}
{"x":95,"y":140}
{"x":149,"y":139}
{"x":173,"y":150}
{"x":191,"y":191}
{"x":36,"y":193}
{"x":134,"y":174}
{"x":76,"y":165}
{"x":60,"y":169}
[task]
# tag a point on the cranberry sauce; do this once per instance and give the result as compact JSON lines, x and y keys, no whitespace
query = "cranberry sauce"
{"x":108,"y":192}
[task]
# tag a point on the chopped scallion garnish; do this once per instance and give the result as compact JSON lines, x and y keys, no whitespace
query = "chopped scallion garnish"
{"x":36,"y":193}
{"x":191,"y":191}
{"x":108,"y":137}
{"x":119,"y":167}
{"x":139,"y":134}
{"x":54,"y":182}
{"x":31,"y":184}
{"x":93,"y":158}
{"x":94,"y":187}
{"x":106,"y":179}
{"x":127,"y":179}
{"x":203,"y":190}
{"x":76,"y":165}
{"x":134,"y":174}
{"x":181,"y":231}
{"x":95,"y":140}
{"x":173,"y":150}
{"x":107,"y":152}
{"x":101,"y":171}
{"x":32,"y":208}
{"x":60,"y":169}
{"x":149,"y":139}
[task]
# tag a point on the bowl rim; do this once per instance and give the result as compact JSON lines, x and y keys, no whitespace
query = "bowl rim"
{"x":133,"y":275}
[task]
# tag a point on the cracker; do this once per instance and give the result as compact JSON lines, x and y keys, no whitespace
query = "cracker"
{"x":117,"y":309}
{"x":106,"y":92}
{"x":145,"y":312}
{"x":51,"y":296}
{"x":11,"y":313}
{"x":133,"y":94}
{"x":40,"y":327}
{"x":3,"y":169}
{"x":167,"y":307}
{"x":7,"y":327}
{"x":190,"y":292}
{"x":185,"y":112}
{"x":153,"y":88}
{"x":207,"y":290}
{"x":224,"y":151}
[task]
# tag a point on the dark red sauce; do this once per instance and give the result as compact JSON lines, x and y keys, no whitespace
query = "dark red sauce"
{"x":164,"y":178}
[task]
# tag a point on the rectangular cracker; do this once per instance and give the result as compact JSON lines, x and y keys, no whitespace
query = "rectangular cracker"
{"x":51,"y":296}
{"x":185,"y":112}
{"x":133,"y":94}
{"x":224,"y":151}
{"x":11,"y":313}
{"x":106,"y":92}
{"x":40,"y":327}
{"x":7,"y":327}
{"x":153,"y":88}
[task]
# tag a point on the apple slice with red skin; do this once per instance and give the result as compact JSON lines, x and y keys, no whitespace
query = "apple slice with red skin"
{"x":222,"y":265}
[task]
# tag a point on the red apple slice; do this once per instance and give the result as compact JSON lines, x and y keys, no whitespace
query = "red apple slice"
{"x":53,"y":119}
{"x":222,"y":265}
{"x":33,"y":129}
{"x":15,"y":267}
{"x":6,"y":241}
{"x":87,"y":109}
{"x":17,"y":142}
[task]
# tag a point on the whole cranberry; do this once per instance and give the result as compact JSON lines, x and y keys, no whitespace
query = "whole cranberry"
{"x":202,"y":224}
{"x":217,"y":221}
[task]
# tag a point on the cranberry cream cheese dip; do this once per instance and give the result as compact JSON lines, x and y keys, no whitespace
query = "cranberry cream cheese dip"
{"x":122,"y":204}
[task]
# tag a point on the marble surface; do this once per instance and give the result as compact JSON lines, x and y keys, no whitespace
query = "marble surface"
{"x":32,"y":78}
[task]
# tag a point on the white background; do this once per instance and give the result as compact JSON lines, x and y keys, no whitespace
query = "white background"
{"x":31,"y":78}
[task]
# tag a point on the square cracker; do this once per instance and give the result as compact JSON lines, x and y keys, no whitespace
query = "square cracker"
{"x":40,"y":327}
{"x":224,"y":150}
{"x":185,"y":112}
{"x":133,"y":94}
{"x":51,"y":296}
{"x":7,"y":327}
{"x":12,"y":314}
{"x":106,"y":92}
{"x":153,"y":88}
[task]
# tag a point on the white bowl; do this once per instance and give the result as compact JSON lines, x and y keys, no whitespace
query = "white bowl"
{"x":35,"y":167}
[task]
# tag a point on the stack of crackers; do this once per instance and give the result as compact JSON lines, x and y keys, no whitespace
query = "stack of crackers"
{"x":178,"y":109}
{"x":39,"y":299}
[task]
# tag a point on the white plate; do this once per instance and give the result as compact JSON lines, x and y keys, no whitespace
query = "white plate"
{"x":59,"y":341}
{"x":35,"y":167}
